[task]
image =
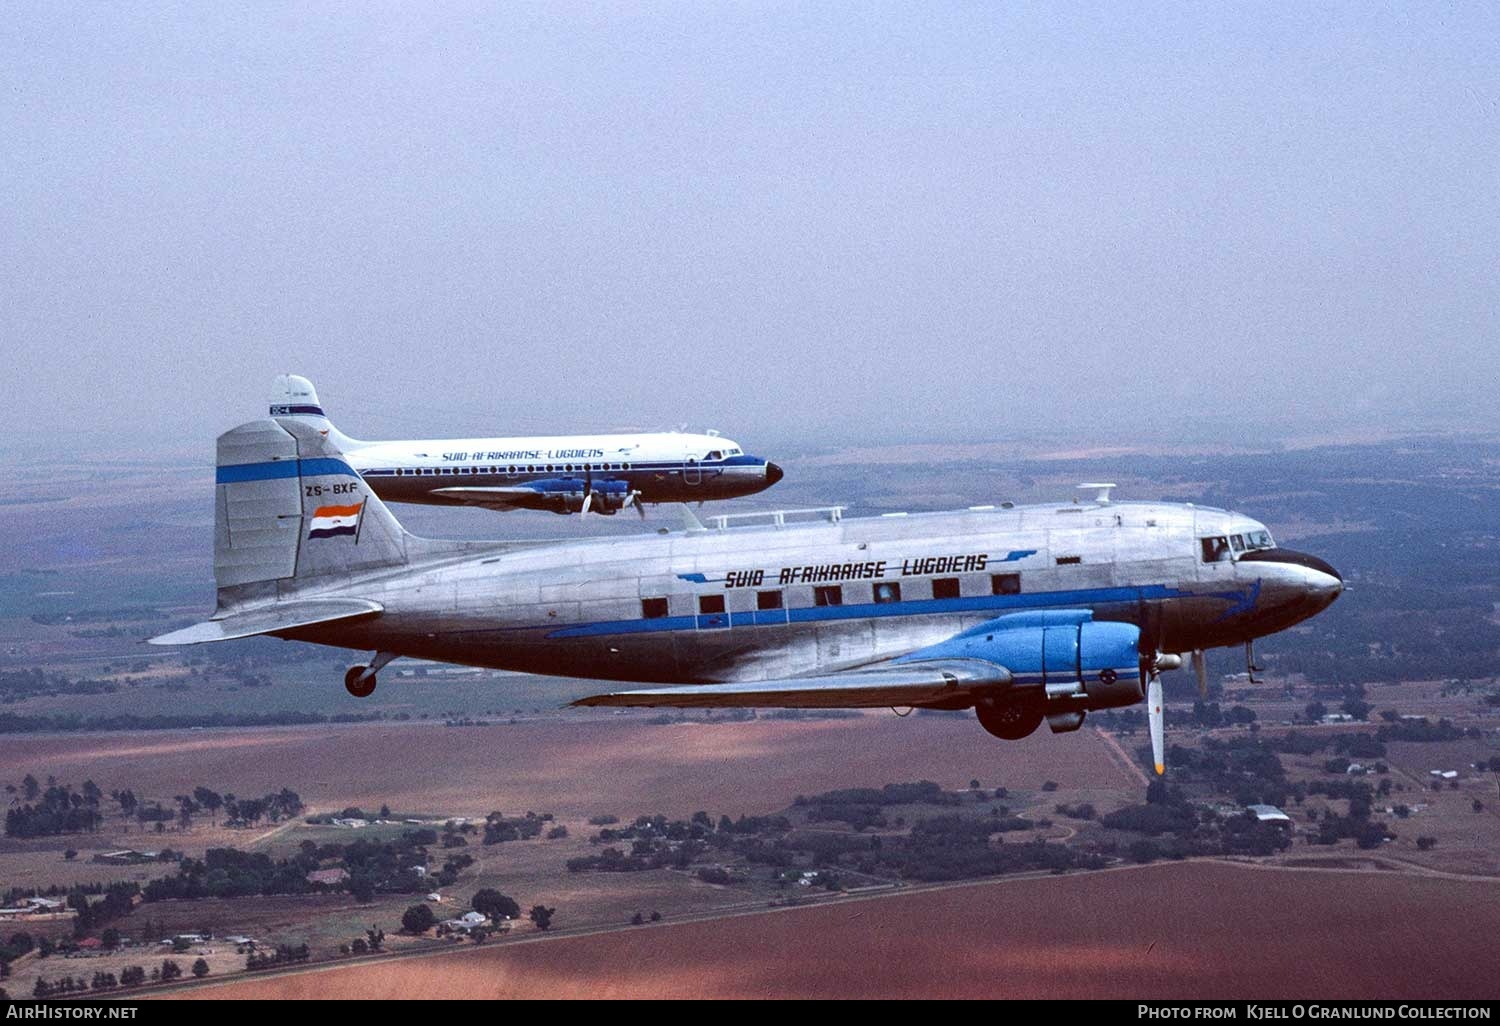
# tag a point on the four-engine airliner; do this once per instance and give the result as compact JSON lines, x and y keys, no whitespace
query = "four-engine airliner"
{"x":1024,"y":614}
{"x":560,"y":474}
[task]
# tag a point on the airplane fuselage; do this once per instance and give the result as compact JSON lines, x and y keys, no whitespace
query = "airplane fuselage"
{"x":758,"y":603}
{"x":659,"y":467}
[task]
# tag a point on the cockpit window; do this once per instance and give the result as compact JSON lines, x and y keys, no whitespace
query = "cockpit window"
{"x":1237,"y":541}
{"x":1215,"y":549}
{"x":715,"y":455}
{"x":1260,"y":540}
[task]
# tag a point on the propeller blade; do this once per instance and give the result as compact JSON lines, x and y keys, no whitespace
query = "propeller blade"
{"x":1153,"y":712}
{"x":1200,"y":667}
{"x":588,"y":502}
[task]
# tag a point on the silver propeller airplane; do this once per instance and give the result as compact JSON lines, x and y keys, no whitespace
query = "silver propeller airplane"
{"x":1024,"y":614}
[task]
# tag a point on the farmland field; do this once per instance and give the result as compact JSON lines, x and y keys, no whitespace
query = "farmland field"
{"x":1194,"y":930}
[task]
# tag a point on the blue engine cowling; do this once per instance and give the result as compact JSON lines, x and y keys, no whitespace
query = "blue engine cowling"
{"x":566,"y":494}
{"x":1060,"y":651}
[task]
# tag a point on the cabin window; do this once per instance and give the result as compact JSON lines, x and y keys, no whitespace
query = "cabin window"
{"x":653,"y":608}
{"x":710,"y":603}
{"x":887,"y":591}
{"x":1215,"y":549}
{"x":945,"y":588}
{"x":1069,"y":560}
{"x":768,"y":600}
{"x":1005,"y":584}
{"x":831,"y":595}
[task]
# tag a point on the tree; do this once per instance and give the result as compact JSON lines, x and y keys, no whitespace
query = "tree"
{"x":418,"y":919}
{"x":200,"y":968}
{"x":70,"y":854}
{"x":1316,"y":710}
{"x":363,"y":888}
{"x":170,"y":970}
{"x":110,"y":938}
{"x":541,"y":915}
{"x":376,"y":936}
{"x":490,"y":902}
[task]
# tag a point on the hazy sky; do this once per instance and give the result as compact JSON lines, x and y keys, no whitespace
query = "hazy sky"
{"x":785,"y":221}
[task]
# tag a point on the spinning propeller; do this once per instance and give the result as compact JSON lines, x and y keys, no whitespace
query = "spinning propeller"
{"x":1161,"y":661}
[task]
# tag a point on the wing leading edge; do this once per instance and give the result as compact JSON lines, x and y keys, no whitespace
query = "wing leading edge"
{"x":944,"y":683}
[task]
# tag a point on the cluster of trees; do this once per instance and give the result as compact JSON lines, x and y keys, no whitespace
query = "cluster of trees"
{"x":118,"y":900}
{"x":56,"y":810}
{"x":1420,"y":730}
{"x":863,"y":807}
{"x":948,"y":847}
{"x":1175,"y":828}
{"x":657,"y":842}
{"x":1244,"y":767}
{"x":372,"y":866}
{"x":498,"y":829}
{"x":373,"y":940}
{"x":1208,"y":714}
{"x":285,"y":954}
{"x":34,"y":682}
{"x":130,"y":976}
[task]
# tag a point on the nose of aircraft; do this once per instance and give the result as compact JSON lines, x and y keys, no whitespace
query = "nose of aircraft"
{"x":1317,"y":580}
{"x":773,"y":473}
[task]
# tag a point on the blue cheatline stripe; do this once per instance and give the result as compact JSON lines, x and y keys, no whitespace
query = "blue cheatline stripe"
{"x":278,"y":470}
{"x":869,"y":610}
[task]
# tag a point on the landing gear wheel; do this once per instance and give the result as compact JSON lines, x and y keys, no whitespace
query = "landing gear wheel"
{"x":356,"y":687}
{"x":1010,"y":720}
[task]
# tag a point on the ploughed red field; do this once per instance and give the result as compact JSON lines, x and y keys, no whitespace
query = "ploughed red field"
{"x":1187,"y":930}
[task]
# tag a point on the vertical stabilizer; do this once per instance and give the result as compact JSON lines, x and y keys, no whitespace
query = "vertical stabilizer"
{"x":290,"y":513}
{"x":293,"y":397}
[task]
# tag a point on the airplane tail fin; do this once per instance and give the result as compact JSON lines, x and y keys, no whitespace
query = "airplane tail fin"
{"x":290,"y":514}
{"x":293,"y":396}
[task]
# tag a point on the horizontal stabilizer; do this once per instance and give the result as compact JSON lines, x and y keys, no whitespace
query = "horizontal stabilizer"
{"x":939,"y":683}
{"x":283,"y":617}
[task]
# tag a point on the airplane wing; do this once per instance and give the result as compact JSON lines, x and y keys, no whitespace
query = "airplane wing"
{"x":565,"y":495}
{"x":500,"y":497}
{"x":1016,"y":650}
{"x":939,"y":683}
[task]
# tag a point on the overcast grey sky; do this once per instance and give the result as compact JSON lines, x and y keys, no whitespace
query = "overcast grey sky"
{"x":880,"y":220}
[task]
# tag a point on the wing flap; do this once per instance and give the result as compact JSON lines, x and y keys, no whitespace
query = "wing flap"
{"x":282,"y":617}
{"x":939,"y":683}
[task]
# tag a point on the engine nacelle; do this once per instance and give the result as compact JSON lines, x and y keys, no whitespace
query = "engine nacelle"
{"x":1063,"y":654}
{"x":567,"y":494}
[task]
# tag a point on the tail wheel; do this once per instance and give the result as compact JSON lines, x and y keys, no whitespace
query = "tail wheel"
{"x":1010,"y":719}
{"x":356,"y":687}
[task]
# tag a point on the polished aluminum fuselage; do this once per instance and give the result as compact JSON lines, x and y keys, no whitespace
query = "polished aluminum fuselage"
{"x":578,"y":609}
